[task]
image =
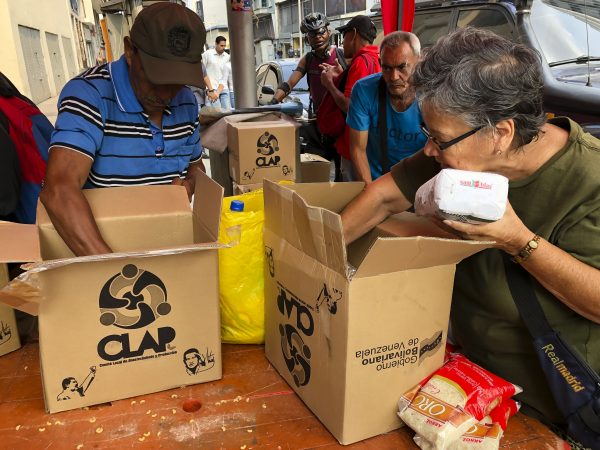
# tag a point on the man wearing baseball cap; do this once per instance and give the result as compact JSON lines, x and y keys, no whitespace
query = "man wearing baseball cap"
{"x":128,"y":122}
{"x":358,"y":36}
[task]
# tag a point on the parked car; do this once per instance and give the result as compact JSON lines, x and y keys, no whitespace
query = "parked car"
{"x":270,"y":74}
{"x":565,"y":32}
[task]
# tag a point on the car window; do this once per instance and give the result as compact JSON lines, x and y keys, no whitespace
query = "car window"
{"x":562,"y":31}
{"x":489,"y":19}
{"x":431,"y":26}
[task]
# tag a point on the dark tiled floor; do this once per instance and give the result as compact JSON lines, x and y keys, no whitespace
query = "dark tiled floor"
{"x":250,"y":408}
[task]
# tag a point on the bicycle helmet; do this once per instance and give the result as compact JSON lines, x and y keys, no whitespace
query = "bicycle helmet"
{"x":313,"y":22}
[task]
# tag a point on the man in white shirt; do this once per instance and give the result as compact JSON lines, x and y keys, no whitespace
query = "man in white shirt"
{"x":214,"y":60}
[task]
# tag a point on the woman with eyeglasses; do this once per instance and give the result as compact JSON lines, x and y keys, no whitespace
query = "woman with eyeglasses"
{"x":481,"y":101}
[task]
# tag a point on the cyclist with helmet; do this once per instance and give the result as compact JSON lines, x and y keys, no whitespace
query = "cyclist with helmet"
{"x":315,"y":28}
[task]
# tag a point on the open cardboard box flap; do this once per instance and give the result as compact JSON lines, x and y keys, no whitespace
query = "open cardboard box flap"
{"x":306,"y":216}
{"x":21,"y":243}
{"x":406,"y":241}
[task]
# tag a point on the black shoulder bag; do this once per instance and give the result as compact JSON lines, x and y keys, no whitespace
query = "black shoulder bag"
{"x":382,"y":125}
{"x":574,"y":385}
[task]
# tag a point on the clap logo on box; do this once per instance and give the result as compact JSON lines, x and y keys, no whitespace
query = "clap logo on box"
{"x":133,"y":299}
{"x":300,"y":323}
{"x":266,"y":146}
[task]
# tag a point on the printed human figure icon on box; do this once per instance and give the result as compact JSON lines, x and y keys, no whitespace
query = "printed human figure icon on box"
{"x":196,"y":362}
{"x":71,"y":387}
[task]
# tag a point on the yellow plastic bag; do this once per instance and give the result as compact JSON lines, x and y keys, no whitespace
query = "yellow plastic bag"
{"x":241,"y":276}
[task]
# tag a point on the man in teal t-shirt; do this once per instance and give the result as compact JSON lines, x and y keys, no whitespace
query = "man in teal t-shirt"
{"x":399,"y":53}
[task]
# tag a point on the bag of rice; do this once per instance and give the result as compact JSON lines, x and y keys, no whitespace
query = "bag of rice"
{"x":455,"y":398}
{"x":484,"y":435}
{"x":464,"y":196}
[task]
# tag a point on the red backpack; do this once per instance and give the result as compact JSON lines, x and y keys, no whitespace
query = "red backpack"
{"x":331,"y":120}
{"x":30,"y":133}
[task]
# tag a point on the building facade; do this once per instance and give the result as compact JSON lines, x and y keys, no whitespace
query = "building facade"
{"x":45,"y":43}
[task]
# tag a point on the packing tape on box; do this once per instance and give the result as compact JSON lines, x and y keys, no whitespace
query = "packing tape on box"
{"x":23,"y":293}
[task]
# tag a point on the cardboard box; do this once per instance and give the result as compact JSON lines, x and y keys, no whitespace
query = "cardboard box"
{"x":263,"y":150}
{"x":314,"y":168}
{"x":352,"y":331}
{"x":9,"y":334}
{"x":239,"y":189}
{"x":130,"y":323}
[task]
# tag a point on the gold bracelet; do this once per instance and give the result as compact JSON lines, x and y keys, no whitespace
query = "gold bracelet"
{"x":526,"y":251}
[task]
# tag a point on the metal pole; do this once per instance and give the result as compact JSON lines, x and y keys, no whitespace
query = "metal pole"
{"x":300,"y":49}
{"x":241,"y":36}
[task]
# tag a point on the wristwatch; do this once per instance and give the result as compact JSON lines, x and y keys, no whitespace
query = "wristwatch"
{"x":526,"y":251}
{"x":211,"y":90}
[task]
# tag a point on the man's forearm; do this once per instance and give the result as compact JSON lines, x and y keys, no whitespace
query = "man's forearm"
{"x":340,"y":99}
{"x":360,"y":164}
{"x":358,"y":154}
{"x":280,"y":93}
{"x":73,"y":219}
{"x":378,"y":201}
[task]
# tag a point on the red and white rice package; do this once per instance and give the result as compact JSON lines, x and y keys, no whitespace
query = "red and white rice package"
{"x":452,"y":400}
{"x":464,"y":196}
{"x":484,"y":435}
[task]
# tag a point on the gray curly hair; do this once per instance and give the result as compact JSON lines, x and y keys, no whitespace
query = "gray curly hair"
{"x":482,"y":79}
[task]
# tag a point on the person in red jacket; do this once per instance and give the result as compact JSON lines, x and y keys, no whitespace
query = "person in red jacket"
{"x":359,"y":34}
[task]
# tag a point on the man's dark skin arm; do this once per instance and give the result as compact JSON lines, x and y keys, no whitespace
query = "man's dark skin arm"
{"x":377,"y":202}
{"x":66,"y":205}
{"x":68,"y":208}
{"x":296,"y":76}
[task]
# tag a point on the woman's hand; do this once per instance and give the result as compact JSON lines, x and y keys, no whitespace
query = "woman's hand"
{"x":509,"y":233}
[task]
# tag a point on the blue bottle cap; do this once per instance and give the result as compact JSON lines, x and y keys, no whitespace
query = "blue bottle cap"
{"x":236,"y":205}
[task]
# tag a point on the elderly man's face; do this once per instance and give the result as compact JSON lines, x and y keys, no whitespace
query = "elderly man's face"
{"x":153,"y":97}
{"x":397,"y":65}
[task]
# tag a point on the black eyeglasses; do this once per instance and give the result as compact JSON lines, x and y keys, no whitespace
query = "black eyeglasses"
{"x":444,"y":145}
{"x":315,"y":33}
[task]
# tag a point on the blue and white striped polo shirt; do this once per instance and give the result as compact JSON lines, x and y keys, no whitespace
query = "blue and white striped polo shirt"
{"x":100,"y":117}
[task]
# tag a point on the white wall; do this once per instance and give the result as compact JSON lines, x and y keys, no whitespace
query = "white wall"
{"x":215,"y":13}
{"x":44,"y":15}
